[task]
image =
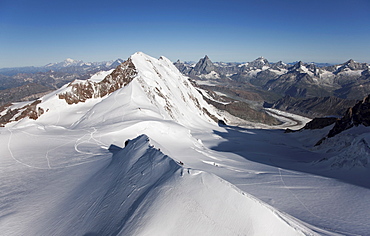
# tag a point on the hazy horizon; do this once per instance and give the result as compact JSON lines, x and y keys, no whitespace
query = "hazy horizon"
{"x":186,"y":61}
{"x":40,"y":32}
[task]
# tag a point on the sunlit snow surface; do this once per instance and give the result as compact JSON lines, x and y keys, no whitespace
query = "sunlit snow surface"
{"x":60,"y":174}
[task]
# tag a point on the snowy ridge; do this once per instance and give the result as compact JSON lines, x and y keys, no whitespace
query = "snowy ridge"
{"x":140,"y":186}
{"x":180,"y":100}
{"x":158,"y":90}
{"x":141,"y":83}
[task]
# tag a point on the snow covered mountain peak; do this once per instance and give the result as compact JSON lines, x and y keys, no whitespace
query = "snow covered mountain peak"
{"x":66,"y":63}
{"x":69,"y":60}
{"x":137,"y":86}
{"x":171,"y":93}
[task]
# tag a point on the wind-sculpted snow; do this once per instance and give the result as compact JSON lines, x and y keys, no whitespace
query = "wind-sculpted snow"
{"x":141,"y":191}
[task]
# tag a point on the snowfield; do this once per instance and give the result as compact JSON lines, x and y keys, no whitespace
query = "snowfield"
{"x":147,"y":159}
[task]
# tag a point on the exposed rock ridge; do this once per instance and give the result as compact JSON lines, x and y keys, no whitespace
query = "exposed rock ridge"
{"x":204,"y":66}
{"x":78,"y":91}
{"x":120,"y":77}
{"x":355,"y":116}
{"x":30,"y":110}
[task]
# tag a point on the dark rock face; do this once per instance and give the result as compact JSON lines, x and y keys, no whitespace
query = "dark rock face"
{"x":204,"y":66}
{"x":80,"y":92}
{"x":316,"y":123}
{"x":355,"y":116}
{"x":319,"y":123}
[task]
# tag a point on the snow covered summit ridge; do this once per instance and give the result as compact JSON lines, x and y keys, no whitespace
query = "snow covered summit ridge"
{"x":141,"y":83}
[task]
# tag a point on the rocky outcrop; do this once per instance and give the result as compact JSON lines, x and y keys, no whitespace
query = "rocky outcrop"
{"x":81,"y":91}
{"x":78,"y":91}
{"x":203,"y":67}
{"x":30,"y":110}
{"x":316,"y":123}
{"x":355,"y":116}
{"x":319,"y":123}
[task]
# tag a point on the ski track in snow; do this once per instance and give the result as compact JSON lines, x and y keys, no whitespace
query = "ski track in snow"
{"x":313,"y":214}
{"x":58,"y":120}
{"x":91,"y":137}
{"x":295,"y":196}
{"x":11,"y":153}
{"x":47,"y":154}
{"x":260,"y":183}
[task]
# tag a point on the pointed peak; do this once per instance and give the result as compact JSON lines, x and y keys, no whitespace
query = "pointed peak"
{"x":350,"y":61}
{"x":206,"y":59}
{"x":298,"y":64}
{"x":140,"y":56}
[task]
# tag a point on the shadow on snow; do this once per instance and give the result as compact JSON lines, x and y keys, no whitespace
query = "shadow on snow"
{"x":278,"y":149}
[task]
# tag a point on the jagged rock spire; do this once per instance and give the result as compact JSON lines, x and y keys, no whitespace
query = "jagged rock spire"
{"x":204,"y":66}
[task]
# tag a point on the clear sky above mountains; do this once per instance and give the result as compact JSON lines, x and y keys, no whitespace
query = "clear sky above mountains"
{"x":41,"y":31}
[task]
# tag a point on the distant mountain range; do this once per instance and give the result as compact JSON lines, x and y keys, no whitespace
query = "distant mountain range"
{"x":309,"y":89}
{"x":46,"y":78}
{"x":68,"y":66}
{"x":332,"y":88}
{"x":301,"y":80}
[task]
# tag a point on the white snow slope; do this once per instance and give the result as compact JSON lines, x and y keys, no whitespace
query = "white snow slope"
{"x":141,"y":191}
{"x":70,"y":173}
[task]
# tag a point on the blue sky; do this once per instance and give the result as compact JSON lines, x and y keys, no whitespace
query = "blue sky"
{"x":36,"y":32}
